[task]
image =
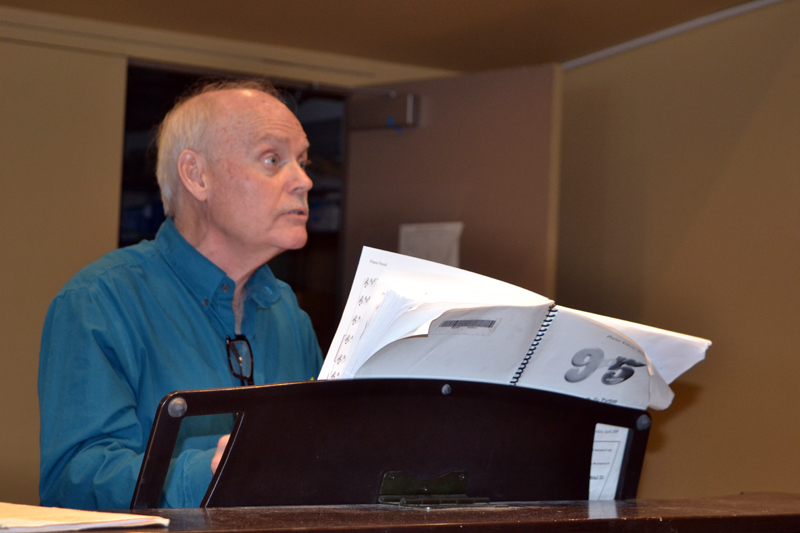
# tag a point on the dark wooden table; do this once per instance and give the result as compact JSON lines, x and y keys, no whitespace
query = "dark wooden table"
{"x":758,"y":512}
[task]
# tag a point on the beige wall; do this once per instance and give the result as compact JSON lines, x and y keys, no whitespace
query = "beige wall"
{"x":485,"y":153}
{"x":680,"y":208}
{"x":61,"y":150}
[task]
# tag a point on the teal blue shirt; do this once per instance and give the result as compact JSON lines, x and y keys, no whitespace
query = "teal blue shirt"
{"x":136,"y":324}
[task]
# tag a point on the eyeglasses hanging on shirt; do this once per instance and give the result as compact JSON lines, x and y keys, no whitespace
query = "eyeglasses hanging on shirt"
{"x":240,"y":358}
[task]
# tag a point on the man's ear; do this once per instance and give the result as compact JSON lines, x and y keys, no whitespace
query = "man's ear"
{"x":192,"y":170}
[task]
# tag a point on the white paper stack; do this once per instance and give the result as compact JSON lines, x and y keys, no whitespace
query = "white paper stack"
{"x":407,"y":317}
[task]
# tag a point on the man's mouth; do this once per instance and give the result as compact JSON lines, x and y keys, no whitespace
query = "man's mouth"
{"x":301,"y":212}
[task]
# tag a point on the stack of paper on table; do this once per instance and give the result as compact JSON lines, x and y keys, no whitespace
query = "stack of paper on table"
{"x":16,"y":518}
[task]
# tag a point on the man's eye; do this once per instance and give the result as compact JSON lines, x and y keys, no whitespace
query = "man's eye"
{"x":272,"y":160}
{"x":304,"y":164}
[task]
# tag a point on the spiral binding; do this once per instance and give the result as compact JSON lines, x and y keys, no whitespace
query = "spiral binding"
{"x":542,"y":330}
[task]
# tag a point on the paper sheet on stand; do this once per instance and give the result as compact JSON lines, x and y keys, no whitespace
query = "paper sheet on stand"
{"x":672,"y":353}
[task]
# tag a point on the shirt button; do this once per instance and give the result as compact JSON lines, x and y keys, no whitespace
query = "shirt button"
{"x":225,"y":287}
{"x":205,"y":302}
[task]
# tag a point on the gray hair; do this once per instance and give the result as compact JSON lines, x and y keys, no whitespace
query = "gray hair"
{"x":185,"y":127}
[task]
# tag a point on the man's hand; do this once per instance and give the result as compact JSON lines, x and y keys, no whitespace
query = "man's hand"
{"x":221,"y":443}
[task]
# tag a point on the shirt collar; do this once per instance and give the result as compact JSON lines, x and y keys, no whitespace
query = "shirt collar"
{"x":203,"y":278}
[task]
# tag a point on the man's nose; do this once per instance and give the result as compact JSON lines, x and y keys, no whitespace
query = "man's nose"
{"x":300,"y":182}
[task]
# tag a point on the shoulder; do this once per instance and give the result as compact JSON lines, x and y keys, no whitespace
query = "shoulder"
{"x":92,"y":315}
{"x":286,"y":294}
{"x":269,"y":291}
{"x":279,"y":297}
{"x":285,"y":301}
{"x":102,"y":307}
{"x":114,"y":269}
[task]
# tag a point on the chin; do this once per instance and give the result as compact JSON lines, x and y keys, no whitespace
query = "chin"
{"x":297,"y":242}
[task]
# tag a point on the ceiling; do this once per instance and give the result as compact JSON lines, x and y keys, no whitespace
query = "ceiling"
{"x":462,"y":35}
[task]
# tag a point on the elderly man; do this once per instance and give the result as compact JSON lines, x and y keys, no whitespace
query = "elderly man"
{"x":182,"y":311}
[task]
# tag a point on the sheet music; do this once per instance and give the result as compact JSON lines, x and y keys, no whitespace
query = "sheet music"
{"x":672,"y":353}
{"x":480,"y":344}
{"x":422,"y":282}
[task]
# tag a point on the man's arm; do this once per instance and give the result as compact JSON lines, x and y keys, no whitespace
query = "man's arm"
{"x":92,"y":438}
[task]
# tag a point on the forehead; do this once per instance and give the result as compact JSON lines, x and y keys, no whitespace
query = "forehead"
{"x":247,"y":116}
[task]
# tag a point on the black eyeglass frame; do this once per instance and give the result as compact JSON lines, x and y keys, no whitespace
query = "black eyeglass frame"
{"x":230,"y":346}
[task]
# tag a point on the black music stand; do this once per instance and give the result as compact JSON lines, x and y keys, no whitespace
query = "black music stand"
{"x":366,"y":441}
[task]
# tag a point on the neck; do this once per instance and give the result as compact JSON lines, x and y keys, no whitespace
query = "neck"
{"x":238,"y":262}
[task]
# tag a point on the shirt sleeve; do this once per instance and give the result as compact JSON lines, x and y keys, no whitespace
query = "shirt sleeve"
{"x":92,"y":441}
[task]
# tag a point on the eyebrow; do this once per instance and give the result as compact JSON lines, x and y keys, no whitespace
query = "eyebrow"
{"x":282,"y":140}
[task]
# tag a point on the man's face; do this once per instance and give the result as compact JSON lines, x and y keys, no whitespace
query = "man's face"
{"x":258,"y":194}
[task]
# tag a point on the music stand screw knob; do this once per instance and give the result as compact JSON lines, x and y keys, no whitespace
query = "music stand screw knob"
{"x":643,"y":422}
{"x":177,"y":407}
{"x":446,"y":389}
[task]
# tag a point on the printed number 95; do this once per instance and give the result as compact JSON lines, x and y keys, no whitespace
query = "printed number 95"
{"x":588,"y":360}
